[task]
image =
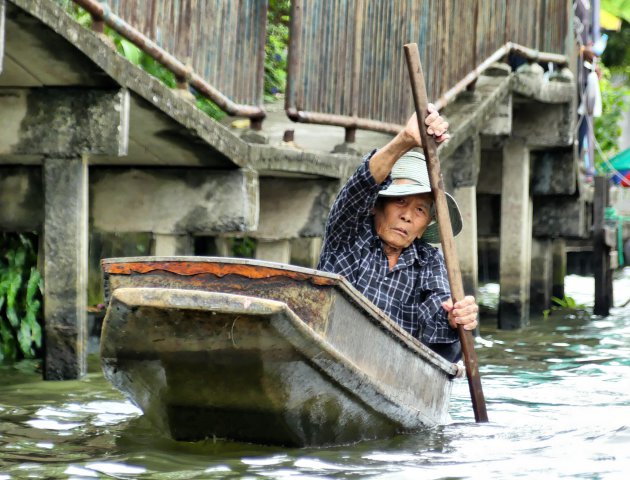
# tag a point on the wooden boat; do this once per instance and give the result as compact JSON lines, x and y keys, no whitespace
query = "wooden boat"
{"x":263,"y":352}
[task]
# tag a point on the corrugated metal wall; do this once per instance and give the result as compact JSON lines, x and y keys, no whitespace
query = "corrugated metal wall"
{"x":454,"y":36}
{"x":223,"y":40}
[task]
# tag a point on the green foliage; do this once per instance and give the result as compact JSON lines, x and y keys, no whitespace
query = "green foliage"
{"x":136,"y":56}
{"x":566,"y":304}
{"x":276,"y":48}
{"x":617,"y":53}
{"x":79,"y":14}
{"x":615,"y":101}
{"x":244,"y":247}
{"x":21,"y":289}
{"x":619,"y":8}
{"x":209,"y":107}
{"x":139,"y":58}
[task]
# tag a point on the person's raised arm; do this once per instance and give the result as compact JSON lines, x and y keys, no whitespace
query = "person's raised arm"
{"x":409,"y":137}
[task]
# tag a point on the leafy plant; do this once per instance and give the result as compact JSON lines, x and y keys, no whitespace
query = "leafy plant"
{"x":21,"y":289}
{"x":276,"y":48}
{"x":617,"y":51}
{"x":615,"y":100}
{"x":82,"y":16}
{"x":566,"y":304}
{"x":141,"y":59}
{"x":244,"y":247}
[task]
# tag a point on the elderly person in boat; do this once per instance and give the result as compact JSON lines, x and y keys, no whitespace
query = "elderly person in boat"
{"x":378,"y":235}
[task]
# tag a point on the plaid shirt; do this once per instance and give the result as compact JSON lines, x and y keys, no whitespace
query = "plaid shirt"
{"x":412,"y":292}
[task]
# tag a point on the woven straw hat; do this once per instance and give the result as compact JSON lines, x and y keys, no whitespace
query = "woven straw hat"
{"x":410,"y":177}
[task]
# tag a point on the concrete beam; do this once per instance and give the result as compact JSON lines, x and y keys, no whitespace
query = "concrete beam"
{"x":543,"y":125}
{"x":21,"y":197}
{"x":561,"y":216}
{"x":516,"y":234}
{"x":272,"y":160}
{"x":554,"y":172}
{"x":174,"y":201}
{"x":63,"y":122}
{"x":293,"y":208}
{"x":472,"y":111}
{"x":65,"y":268}
{"x":530,"y":81}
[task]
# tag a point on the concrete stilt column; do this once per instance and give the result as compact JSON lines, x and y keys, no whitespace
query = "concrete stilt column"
{"x":466,"y":241}
{"x":516,"y":233}
{"x":542,"y":274}
{"x":601,"y":250}
{"x":172,"y":245}
{"x":65,"y":267}
{"x":559,"y":252}
{"x":274,"y":250}
{"x":305,"y":251}
{"x":224,"y":246}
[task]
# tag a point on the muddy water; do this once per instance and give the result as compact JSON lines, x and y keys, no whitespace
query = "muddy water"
{"x":558,"y":398}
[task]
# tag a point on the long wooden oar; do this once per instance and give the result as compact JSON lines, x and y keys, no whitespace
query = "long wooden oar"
{"x":446,"y":232}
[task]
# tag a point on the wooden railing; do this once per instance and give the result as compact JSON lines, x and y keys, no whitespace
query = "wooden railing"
{"x":346,"y":62}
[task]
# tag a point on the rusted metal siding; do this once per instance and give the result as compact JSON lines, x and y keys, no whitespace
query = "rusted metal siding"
{"x":222,"y":40}
{"x":348,"y":58}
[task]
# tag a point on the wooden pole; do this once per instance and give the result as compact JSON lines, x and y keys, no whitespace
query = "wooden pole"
{"x":446,"y":233}
{"x":601,"y":251}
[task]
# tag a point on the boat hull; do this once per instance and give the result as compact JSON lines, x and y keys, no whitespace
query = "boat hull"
{"x":205,"y":363}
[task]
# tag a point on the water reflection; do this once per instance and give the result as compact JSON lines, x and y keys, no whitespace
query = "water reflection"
{"x":557,"y":398}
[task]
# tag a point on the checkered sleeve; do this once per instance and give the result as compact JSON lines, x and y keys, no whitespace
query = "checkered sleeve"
{"x":352,"y":204}
{"x":436,"y":328}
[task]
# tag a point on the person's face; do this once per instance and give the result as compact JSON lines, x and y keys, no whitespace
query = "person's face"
{"x":400,"y":220}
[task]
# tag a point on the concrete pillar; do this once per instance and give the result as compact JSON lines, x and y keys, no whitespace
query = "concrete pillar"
{"x":601,"y":250}
{"x":466,"y":241}
{"x":165,"y":245}
{"x":305,"y":251}
{"x":65,"y":267}
{"x":516,"y":233}
{"x":542,"y":274}
{"x":224,"y":246}
{"x":559,"y":253}
{"x":274,"y":250}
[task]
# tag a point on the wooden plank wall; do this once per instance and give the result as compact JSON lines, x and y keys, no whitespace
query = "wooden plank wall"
{"x":453,"y":36}
{"x":223,"y":40}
